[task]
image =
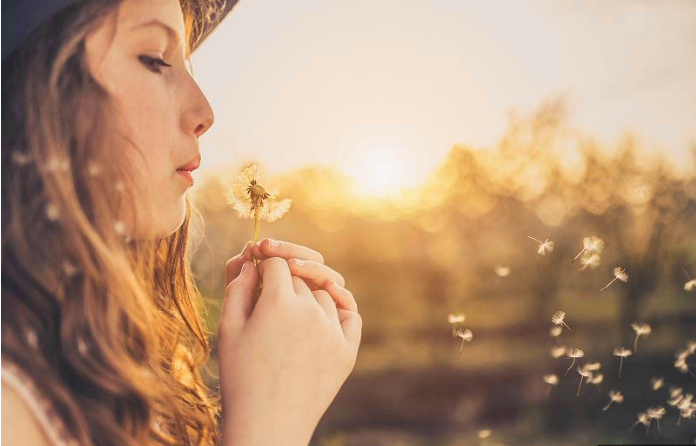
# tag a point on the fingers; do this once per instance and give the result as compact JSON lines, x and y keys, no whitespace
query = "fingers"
{"x":351,"y":323}
{"x":234,"y":264}
{"x":318,"y":273}
{"x":344,"y":298}
{"x":327,"y":303}
{"x":238,"y":302}
{"x":276,"y":276}
{"x":266,"y":248}
{"x":301,"y":287}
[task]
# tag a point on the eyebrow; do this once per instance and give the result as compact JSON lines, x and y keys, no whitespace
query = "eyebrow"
{"x":158,"y":23}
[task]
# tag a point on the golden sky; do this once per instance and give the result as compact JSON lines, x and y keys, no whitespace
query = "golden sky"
{"x":393,"y":84}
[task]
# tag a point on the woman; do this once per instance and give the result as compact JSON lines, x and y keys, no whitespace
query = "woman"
{"x":102,"y":338}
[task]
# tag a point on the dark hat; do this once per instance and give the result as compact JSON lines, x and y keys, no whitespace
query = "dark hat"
{"x":21,"y":17}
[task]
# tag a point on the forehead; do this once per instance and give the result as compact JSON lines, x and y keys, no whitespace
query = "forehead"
{"x":134,"y":13}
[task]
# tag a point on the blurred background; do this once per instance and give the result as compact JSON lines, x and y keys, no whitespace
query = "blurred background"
{"x":422,"y":145}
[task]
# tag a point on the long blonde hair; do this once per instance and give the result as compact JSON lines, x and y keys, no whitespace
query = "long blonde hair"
{"x":108,"y":327}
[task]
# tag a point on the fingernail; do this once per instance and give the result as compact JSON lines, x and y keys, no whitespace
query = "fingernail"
{"x":273,"y":243}
{"x":299,"y":262}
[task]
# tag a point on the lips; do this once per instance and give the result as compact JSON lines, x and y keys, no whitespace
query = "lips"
{"x":192,"y":165}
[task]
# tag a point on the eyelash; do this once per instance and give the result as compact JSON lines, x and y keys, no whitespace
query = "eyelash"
{"x":154,"y":63}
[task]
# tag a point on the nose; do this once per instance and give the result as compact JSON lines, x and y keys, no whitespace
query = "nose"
{"x":198,"y":115}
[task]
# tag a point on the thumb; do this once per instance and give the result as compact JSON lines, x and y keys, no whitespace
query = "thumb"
{"x":239,"y":294}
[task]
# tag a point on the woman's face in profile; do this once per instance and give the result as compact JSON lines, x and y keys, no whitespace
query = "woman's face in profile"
{"x":160,"y":109}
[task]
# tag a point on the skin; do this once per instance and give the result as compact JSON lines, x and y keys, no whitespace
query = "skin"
{"x":298,"y":345}
{"x":160,"y":111}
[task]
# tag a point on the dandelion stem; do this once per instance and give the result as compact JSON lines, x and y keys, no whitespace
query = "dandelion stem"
{"x":635,"y":344}
{"x":579,"y":254}
{"x":582,"y":378}
{"x":620,"y":365}
{"x":538,"y":241}
{"x":605,"y":408}
{"x":571,"y":366}
{"x":461,"y":348}
{"x":607,"y":285}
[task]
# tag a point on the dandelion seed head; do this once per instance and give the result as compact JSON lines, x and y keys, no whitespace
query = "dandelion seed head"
{"x":575,"y":353}
{"x":584,"y":372}
{"x":690,"y":285}
{"x":556,"y":331}
{"x":656,"y":412}
{"x":545,"y":247}
{"x":558,"y":317}
{"x":622,"y":352}
{"x":456,"y":318}
{"x":641,"y":329}
{"x":657,"y":383}
{"x":248,"y":196}
{"x":590,"y":261}
{"x":593,"y":244}
{"x":551,"y":379}
{"x":675,"y":392}
{"x":502,"y":271}
{"x":466,"y":335}
{"x":616,"y":396}
{"x":643,"y":418}
{"x":557,"y":352}
{"x":620,"y":274}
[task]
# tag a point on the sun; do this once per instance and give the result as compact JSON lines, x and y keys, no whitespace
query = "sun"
{"x":379,"y":170}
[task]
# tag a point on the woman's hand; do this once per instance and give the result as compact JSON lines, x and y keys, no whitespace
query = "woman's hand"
{"x":283,"y":360}
{"x":303,"y":262}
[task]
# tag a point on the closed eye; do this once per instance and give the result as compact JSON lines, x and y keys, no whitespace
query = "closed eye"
{"x":153,"y":63}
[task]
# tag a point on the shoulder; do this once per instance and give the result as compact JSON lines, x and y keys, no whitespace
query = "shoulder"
{"x":19,"y":425}
{"x":26,"y":416}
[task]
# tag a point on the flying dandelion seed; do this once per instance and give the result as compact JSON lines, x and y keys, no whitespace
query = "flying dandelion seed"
{"x":466,"y":335}
{"x":574,"y":353}
{"x":557,"y":352}
{"x":657,"y":383}
{"x":641,"y":330}
{"x":455,"y":318}
{"x":550,"y":380}
{"x":57,"y":164}
{"x":502,"y":271}
{"x":691,"y":347}
{"x":591,"y":244}
{"x":622,"y":353}
{"x":644,"y":419}
{"x":555,"y":332}
{"x":619,"y":274}
{"x":544,"y":247}
{"x":485,"y":433}
{"x":656,"y":413}
{"x":614,"y":397}
{"x":681,"y":363}
{"x":597,"y":380}
{"x":52,"y":212}
{"x":252,"y":200}
{"x":685,"y":406}
{"x":590,"y":261}
{"x":584,"y":374}
{"x":593,"y":366}
{"x":686,"y":413}
{"x":558,"y":318}
{"x":119,"y":186}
